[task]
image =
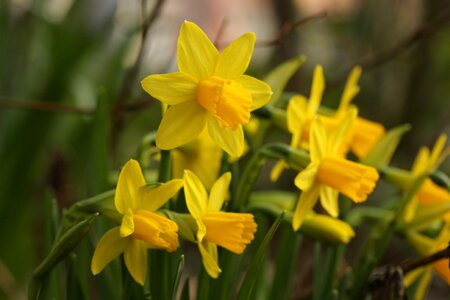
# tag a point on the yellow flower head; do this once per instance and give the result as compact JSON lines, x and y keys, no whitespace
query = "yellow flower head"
{"x":427,"y":246}
{"x":141,"y":227}
{"x":202,"y":155}
{"x":210,"y":90}
{"x":329,"y":173}
{"x":232,"y":231}
{"x":426,"y":162}
{"x":365,"y":134}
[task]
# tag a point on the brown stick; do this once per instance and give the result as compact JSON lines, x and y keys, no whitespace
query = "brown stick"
{"x":12,"y":103}
{"x":443,"y":254}
{"x":289,"y":27}
{"x":131,"y":75}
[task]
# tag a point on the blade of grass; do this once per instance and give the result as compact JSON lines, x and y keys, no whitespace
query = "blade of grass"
{"x":247,"y":286}
{"x":176,"y":282}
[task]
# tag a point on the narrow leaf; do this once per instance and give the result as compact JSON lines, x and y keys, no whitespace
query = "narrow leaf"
{"x":246,"y":289}
{"x":382,"y":153}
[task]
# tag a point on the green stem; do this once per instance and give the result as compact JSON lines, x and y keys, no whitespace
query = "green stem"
{"x":165,"y":166}
{"x":317,"y":275}
{"x":378,"y":241}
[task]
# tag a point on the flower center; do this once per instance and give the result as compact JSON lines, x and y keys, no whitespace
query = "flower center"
{"x":232,"y":231}
{"x":349,"y":178}
{"x":155,"y":230}
{"x":226,"y":100}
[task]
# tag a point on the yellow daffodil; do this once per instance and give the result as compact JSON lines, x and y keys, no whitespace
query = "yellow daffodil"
{"x":232,"y":231}
{"x":141,"y":227}
{"x":210,"y":90}
{"x":362,"y":136}
{"x":202,"y":156}
{"x":300,"y":114}
{"x":329,"y":174}
{"x":365,"y":134}
{"x":360,"y":139}
{"x":429,"y":193}
{"x":427,"y":246}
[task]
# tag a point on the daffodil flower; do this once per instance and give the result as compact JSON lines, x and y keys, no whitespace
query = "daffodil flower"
{"x":427,"y":246}
{"x":210,"y":91}
{"x":301,"y":112}
{"x":232,"y":231}
{"x":202,"y":156}
{"x":141,"y":227}
{"x":365,"y":134}
{"x":429,"y":193}
{"x":329,"y":174}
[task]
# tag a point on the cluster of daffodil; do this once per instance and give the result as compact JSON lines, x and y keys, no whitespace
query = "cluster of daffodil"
{"x":209,"y":103}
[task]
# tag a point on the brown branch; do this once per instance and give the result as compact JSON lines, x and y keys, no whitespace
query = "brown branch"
{"x":288,"y":28}
{"x":424,"y":31}
{"x":52,"y":107}
{"x":12,"y":103}
{"x":220,"y":32}
{"x":132,"y":73}
{"x":443,"y":254}
{"x":375,"y":60}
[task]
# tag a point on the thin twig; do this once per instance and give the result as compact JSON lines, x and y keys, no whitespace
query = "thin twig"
{"x":220,"y":32}
{"x":12,"y":103}
{"x":52,"y":107}
{"x":378,"y":59}
{"x":289,"y":27}
{"x":443,"y":254}
{"x":131,"y":75}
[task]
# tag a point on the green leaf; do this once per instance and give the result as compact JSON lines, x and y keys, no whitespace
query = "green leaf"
{"x":247,"y":286}
{"x":279,"y":77}
{"x":61,"y":249}
{"x":74,"y":289}
{"x":287,"y":252}
{"x":383,"y":151}
{"x":176,"y":282}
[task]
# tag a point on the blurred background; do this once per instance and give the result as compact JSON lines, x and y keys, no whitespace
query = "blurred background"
{"x":72,"y":109}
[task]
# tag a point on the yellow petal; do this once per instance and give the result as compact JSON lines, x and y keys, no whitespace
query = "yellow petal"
{"x":135,"y":256}
{"x":127,"y":225}
{"x":209,"y":255}
{"x":130,"y":181}
{"x":441,"y":267}
{"x":172,"y":88}
{"x":196,"y":196}
{"x":329,"y":200}
{"x":318,"y":141}
{"x":305,"y":179}
{"x":296,"y":114}
{"x":153,"y":199}
{"x":231,"y":141}
{"x":337,"y":138}
{"x":350,"y":91}
{"x":318,"y":85}
{"x":260,"y":91}
{"x":219,"y":192}
{"x":412,"y":276}
{"x":420,"y":164}
{"x":437,"y":151}
{"x":423,"y":284}
{"x":180,"y":125}
{"x":234,"y":59}
{"x":410,"y":209}
{"x":196,"y":55}
{"x":277,"y":170}
{"x":108,"y":248}
{"x":304,"y":205}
